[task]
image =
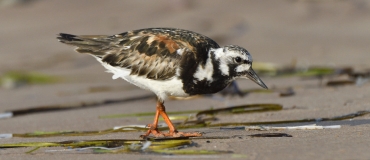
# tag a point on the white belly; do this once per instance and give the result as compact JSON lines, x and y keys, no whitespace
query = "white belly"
{"x":162,"y":88}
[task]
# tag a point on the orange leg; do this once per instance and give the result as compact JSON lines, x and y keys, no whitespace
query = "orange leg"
{"x":161,"y":110}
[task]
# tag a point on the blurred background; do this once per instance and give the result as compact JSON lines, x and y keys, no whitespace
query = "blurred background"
{"x":306,"y":32}
{"x":330,"y":32}
{"x":37,"y":72}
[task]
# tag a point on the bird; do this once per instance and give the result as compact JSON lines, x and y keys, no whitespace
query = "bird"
{"x":168,"y":62}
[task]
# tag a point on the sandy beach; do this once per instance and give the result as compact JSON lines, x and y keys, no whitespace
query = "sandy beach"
{"x":303,"y":33}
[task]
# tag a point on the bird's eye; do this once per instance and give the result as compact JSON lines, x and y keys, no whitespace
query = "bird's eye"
{"x":238,"y":59}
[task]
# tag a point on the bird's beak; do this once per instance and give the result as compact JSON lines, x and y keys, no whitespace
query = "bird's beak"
{"x":254,"y":77}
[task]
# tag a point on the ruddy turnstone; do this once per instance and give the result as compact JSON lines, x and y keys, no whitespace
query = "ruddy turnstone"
{"x":168,"y":62}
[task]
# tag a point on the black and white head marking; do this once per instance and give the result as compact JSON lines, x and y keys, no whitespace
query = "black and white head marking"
{"x":234,"y":60}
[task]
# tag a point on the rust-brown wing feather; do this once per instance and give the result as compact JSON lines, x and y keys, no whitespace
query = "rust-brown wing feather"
{"x":155,"y":53}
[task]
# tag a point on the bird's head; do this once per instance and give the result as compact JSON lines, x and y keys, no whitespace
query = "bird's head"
{"x":236,"y":62}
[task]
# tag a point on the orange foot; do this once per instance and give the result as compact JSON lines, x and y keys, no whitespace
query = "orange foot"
{"x":153,"y":129}
{"x":156,"y":133}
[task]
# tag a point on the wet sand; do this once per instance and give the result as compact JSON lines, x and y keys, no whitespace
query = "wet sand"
{"x":312,"y":33}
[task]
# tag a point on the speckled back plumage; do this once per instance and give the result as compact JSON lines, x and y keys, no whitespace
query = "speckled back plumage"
{"x":155,"y":53}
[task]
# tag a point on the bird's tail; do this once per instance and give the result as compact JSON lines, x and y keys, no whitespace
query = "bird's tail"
{"x":96,"y":45}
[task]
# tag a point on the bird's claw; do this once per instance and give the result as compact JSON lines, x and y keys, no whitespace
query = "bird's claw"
{"x":156,"y":133}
